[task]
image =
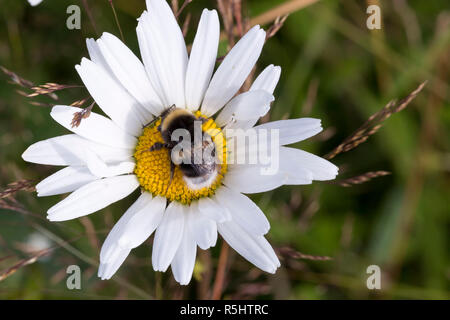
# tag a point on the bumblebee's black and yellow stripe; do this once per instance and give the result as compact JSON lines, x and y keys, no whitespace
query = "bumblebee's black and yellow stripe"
{"x":197,"y":175}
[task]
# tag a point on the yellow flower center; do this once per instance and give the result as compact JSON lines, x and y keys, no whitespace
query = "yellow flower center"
{"x":153,"y":167}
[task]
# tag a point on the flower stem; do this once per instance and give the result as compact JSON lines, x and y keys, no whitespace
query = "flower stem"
{"x":220,"y":274}
{"x":117,"y":19}
{"x":89,"y":13}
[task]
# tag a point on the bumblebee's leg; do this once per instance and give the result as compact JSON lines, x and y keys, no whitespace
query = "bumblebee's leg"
{"x":158,"y":146}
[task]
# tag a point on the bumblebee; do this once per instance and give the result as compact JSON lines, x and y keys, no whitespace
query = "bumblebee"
{"x":196,"y":159}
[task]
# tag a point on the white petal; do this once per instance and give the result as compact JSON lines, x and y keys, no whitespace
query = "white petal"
{"x":296,"y":174}
{"x":293,"y":130}
{"x":164,"y":52}
{"x":285,"y":167}
{"x":112,"y":98}
{"x":95,"y":128}
{"x":100,"y":169}
{"x":64,"y":180}
{"x":246,"y":106}
{"x":250,"y":179}
{"x":139,"y":225}
{"x":251,"y":147}
{"x":147,"y":59}
{"x":252,"y":248}
{"x":202,"y":59}
{"x":233,"y":71}
{"x":267,"y":248}
{"x":93,"y":197}
{"x":70,"y":149}
{"x":184,"y":260}
{"x":129,"y":232}
{"x":168,"y":236}
{"x":133,"y":228}
{"x":97,"y":57}
{"x":129,"y":70}
{"x":34,"y":2}
{"x":212,"y":210}
{"x":108,"y":269}
{"x":267,"y":80}
{"x":320,"y":168}
{"x":243,"y":211}
{"x":202,"y":229}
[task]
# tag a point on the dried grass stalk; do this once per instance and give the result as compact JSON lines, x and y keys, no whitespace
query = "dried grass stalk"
{"x":183,"y":6}
{"x":293,"y":254}
{"x":360,"y":179}
{"x":79,"y":103}
{"x":22,"y":263}
{"x":276,"y":26}
{"x":49,"y":88}
{"x":11,"y":205}
{"x":40,"y":104}
{"x":286,"y":7}
{"x":24,"y":83}
{"x":83,"y":114}
{"x":15,"y":79}
{"x":21,"y":185}
{"x":186,"y":23}
{"x":373,"y":124}
{"x":226,"y":11}
{"x":237,"y":13}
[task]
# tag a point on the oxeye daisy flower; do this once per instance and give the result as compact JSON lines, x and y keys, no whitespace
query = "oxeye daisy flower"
{"x":107,"y":158}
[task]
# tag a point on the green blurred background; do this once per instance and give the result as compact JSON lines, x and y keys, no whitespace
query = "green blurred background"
{"x":333,"y":68}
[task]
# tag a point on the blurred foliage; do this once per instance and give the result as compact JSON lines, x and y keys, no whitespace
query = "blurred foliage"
{"x":334,"y":69}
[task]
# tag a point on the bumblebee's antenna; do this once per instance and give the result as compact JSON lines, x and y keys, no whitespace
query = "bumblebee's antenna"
{"x":151,"y":122}
{"x":162,"y":116}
